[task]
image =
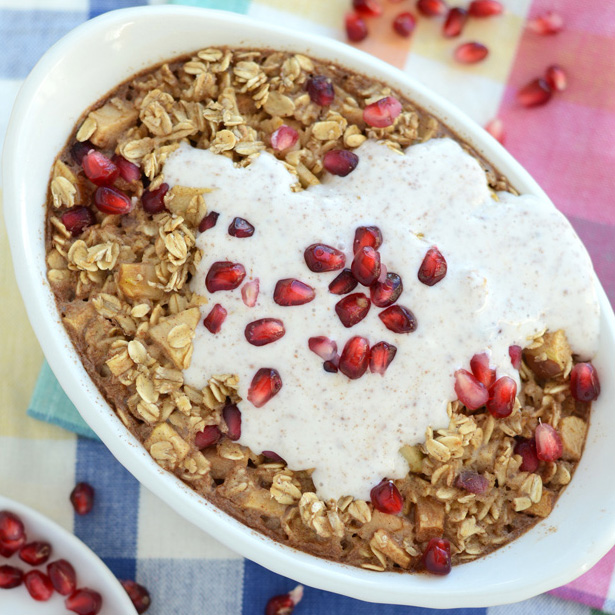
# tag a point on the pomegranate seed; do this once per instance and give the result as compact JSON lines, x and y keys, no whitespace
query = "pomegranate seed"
{"x":366,"y":236}
{"x":84,"y":602}
{"x":472,"y":482}
{"x":527,"y":450}
{"x":265,"y":385}
{"x":11,"y":526}
{"x":366,"y":266}
{"x":292,"y":292}
{"x":35,"y":553}
{"x":112,"y":201}
{"x":356,"y":28}
{"x":479,"y":364}
{"x":380,"y":357}
{"x":495,"y":128}
{"x":283,"y":138}
{"x":325,"y":348}
{"x":321,"y":258}
{"x":584,"y":383}
{"x":153,"y":200}
{"x":404,"y":24}
{"x":548,"y":443}
{"x":386,"y":498}
{"x":62,"y":576}
{"x":382,"y":113}
{"x":398,"y":319}
{"x":515,"y":356}
{"x":502,"y":397}
{"x":8,"y":548}
{"x":384,"y":294}
{"x":433,"y":268}
{"x":471,"y":53}
{"x":264,"y":331}
{"x":232,"y":417}
{"x":343,"y":283}
{"x":128,"y":170}
{"x":138,"y":595}
{"x":471,"y":392}
{"x":352,"y":309}
{"x":355,"y":358}
{"x":431,"y":8}
{"x":214,"y":320}
{"x":284,"y":603}
{"x":224,"y":275}
{"x":80,"y":149}
{"x":485,"y":8}
{"x":38,"y":585}
{"x":249,"y":292}
{"x":537,"y":92}
{"x":82,"y":498}
{"x":10,"y":577}
{"x":557,"y":78}
{"x":77,"y":219}
{"x":367,"y":8}
{"x":330,"y":367}
{"x":209,"y":221}
{"x":455,"y":21}
{"x":320,"y":90}
{"x":273,"y":456}
{"x":240,"y":228}
{"x":340,"y":162}
{"x":99,"y":169}
{"x":437,"y":556}
{"x":208,"y":437}
{"x":548,"y":23}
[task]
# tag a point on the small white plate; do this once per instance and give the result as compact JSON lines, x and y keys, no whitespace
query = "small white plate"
{"x":91,"y":571}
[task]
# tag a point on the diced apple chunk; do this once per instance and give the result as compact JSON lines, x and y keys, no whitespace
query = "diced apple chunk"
{"x":112,"y":119}
{"x":572,"y":430}
{"x":137,"y":281}
{"x":550,"y":358}
{"x":178,"y":326}
{"x":384,"y":542}
{"x":544,"y":507}
{"x":413,"y":456}
{"x":187,"y":203}
{"x":429,"y":519}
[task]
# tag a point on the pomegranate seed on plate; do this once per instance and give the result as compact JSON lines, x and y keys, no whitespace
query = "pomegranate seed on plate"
{"x":11,"y":526}
{"x":340,"y":162}
{"x":62,"y":576}
{"x":386,"y":293}
{"x":38,"y":585}
{"x":284,"y":604}
{"x":330,"y":366}
{"x":80,"y":149}
{"x":343,"y":283}
{"x":9,"y":547}
{"x":433,"y":268}
{"x":128,"y":170}
{"x":356,"y":28}
{"x":321,"y":258}
{"x":485,"y":8}
{"x":398,"y":319}
{"x":366,"y":266}
{"x":495,"y":128}
{"x":264,"y":331}
{"x":515,"y":356}
{"x":265,"y":385}
{"x":470,"y":391}
{"x":10,"y":577}
{"x":283,"y":138}
{"x":153,"y":200}
{"x":404,"y":24}
{"x":527,"y":450}
{"x":479,"y":364}
{"x":320,"y":90}
{"x":548,"y":23}
{"x":354,"y":359}
{"x":209,"y":221}
{"x":549,"y":445}
{"x":352,"y":309}
{"x":214,"y":320}
{"x":84,"y":601}
{"x":437,"y":556}
{"x":386,"y":498}
{"x":431,"y":8}
{"x":111,"y":201}
{"x":380,"y":357}
{"x":273,"y":456}
{"x":472,"y":482}
{"x":35,"y":553}
{"x":241,"y":228}
{"x":557,"y":78}
{"x":138,"y":595}
{"x":82,"y":498}
{"x":502,"y":397}
{"x":249,"y":292}
{"x":382,"y":113}
{"x":471,"y":53}
{"x":224,"y":275}
{"x":537,"y":92}
{"x":208,"y":437}
{"x":584,"y":383}
{"x":232,"y":417}
{"x":77,"y":219}
{"x":325,"y":348}
{"x":367,"y":8}
{"x":366,"y":236}
{"x":454,"y":23}
{"x":99,"y":169}
{"x":289,"y":292}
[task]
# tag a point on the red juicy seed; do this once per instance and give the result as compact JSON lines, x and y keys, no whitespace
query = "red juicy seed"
{"x":84,"y":602}
{"x":386,"y":293}
{"x":82,"y":498}
{"x":232,"y":417}
{"x":356,"y":28}
{"x":352,"y":309}
{"x":325,"y":348}
{"x":138,"y":595}
{"x":340,"y":162}
{"x":264,"y":331}
{"x":471,"y":53}
{"x":224,"y":275}
{"x":80,"y":149}
{"x":240,"y":228}
{"x":99,"y":169}
{"x":455,"y":21}
{"x":38,"y":585}
{"x":386,"y":498}
{"x":355,"y":358}
{"x":485,"y":8}
{"x":527,"y":449}
{"x":112,"y":201}
{"x":209,"y":221}
{"x":382,"y":113}
{"x":404,"y":24}
{"x":273,"y":456}
{"x":249,"y":292}
{"x":433,"y":268}
{"x":535,"y":93}
{"x":11,"y":526}
{"x":128,"y":170}
{"x":472,"y":482}
{"x":584,"y":383}
{"x":214,"y":320}
{"x":556,"y":77}
{"x":343,"y":283}
{"x":431,"y":8}
{"x":320,"y":90}
{"x":380,"y":357}
{"x":366,"y":266}
{"x":496,"y":129}
{"x":283,"y":138}
{"x":10,"y":547}
{"x":279,"y":605}
{"x":330,"y":366}
{"x":292,"y":292}
{"x":10,"y":577}
{"x":153,"y":201}
{"x":398,"y":319}
{"x":320,"y":258}
{"x":479,"y":364}
{"x":502,"y":397}
{"x":209,"y":436}
{"x":367,"y":8}
{"x":62,"y":576}
{"x":77,"y":219}
{"x":437,"y":556}
{"x":35,"y":553}
{"x":549,"y":23}
{"x":265,"y":385}
{"x":366,"y":236}
{"x":471,"y":392}
{"x":548,"y":443}
{"x":515,"y":356}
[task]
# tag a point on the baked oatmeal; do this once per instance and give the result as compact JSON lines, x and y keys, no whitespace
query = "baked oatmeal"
{"x":316,"y":305}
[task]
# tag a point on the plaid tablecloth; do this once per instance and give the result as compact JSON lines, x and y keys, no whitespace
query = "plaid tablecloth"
{"x":569,"y":147}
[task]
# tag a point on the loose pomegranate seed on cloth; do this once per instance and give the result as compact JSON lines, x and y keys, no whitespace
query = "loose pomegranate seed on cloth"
{"x":284,"y":604}
{"x":432,"y":8}
{"x":356,"y":28}
{"x":495,"y":128}
{"x":557,"y":78}
{"x":404,"y":24}
{"x":138,"y":595}
{"x":82,"y":498}
{"x":536,"y":93}
{"x":471,"y":53}
{"x":455,"y":22}
{"x":546,"y":24}
{"x":485,"y":8}
{"x":367,"y":8}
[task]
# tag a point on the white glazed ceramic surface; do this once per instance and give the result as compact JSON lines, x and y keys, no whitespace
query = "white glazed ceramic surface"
{"x":89,"y":62}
